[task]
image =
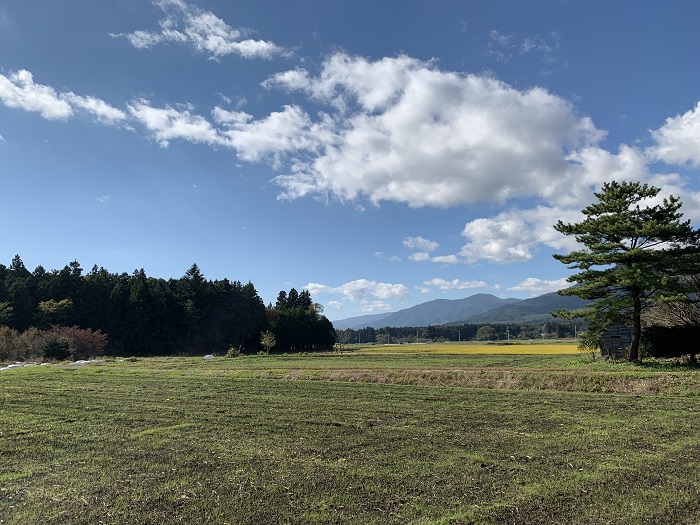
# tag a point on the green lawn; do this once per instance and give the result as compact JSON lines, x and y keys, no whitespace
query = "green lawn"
{"x":233,"y":441}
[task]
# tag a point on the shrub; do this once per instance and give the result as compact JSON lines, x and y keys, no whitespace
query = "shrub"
{"x":233,"y":352}
{"x":56,"y":348}
{"x":82,"y":343}
{"x":33,"y":343}
{"x":9,"y":344}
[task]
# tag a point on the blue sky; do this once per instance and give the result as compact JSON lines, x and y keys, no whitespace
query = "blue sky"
{"x":379,"y":154}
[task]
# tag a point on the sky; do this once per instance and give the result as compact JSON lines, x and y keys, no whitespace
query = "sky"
{"x":378,"y":154}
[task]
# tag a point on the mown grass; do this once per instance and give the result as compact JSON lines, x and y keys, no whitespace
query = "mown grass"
{"x":227,"y":441}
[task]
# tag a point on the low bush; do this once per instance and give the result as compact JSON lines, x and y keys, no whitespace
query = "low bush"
{"x":58,"y":343}
{"x":81,"y":343}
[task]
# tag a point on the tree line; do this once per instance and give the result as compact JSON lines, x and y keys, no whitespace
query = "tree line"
{"x":461,"y":332}
{"x":141,"y":315}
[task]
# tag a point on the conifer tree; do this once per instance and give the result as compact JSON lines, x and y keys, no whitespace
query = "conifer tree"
{"x":636,"y":253}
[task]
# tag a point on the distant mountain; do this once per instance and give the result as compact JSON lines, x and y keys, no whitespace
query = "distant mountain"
{"x":528,"y":311}
{"x":438,"y":312}
{"x":477,"y":309}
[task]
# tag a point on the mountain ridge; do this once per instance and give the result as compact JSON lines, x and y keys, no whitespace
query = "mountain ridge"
{"x":475,"y":309}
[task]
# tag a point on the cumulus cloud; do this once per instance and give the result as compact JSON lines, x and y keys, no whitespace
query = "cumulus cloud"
{"x":512,"y":236}
{"x":361,"y":290}
{"x":536,"y":287}
{"x":280,"y":133}
{"x":202,"y":31}
{"x":399,"y":129}
{"x":18,"y":90}
{"x":454,"y":284}
{"x":678,"y":140}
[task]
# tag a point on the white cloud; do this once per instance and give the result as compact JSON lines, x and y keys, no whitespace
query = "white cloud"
{"x":513,"y":236}
{"x":361,"y":290}
{"x":678,"y":140}
{"x":545,"y":46}
{"x":420,"y":243}
{"x":454,"y":284}
{"x":419,"y":256}
{"x":2,"y":139}
{"x":382,"y":256}
{"x":376,"y":306}
{"x":335,"y":304}
{"x":536,"y":287}
{"x":18,"y":90}
{"x":170,"y":123}
{"x":201,"y":30}
{"x":398,"y":129}
{"x":445,"y":259}
{"x":500,"y":46}
{"x":279,"y":133}
{"x":103,"y":111}
{"x":504,"y":238}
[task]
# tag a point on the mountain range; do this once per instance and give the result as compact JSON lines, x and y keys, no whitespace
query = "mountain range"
{"x":476,"y":309}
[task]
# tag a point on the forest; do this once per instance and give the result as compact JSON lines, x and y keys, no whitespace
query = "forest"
{"x":69,"y":313}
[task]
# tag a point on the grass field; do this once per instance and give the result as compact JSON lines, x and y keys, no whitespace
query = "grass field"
{"x":351,"y":438}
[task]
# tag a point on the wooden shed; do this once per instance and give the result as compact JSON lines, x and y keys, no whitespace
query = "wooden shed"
{"x":615,"y":341}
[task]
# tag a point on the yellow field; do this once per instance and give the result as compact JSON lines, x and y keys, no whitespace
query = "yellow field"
{"x":476,"y":348}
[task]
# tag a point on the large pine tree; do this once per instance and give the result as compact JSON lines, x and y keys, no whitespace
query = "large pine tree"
{"x":635,"y":254}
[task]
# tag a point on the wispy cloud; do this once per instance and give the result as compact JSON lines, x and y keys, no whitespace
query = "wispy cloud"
{"x":202,"y":31}
{"x":501,"y":47}
{"x":546,"y":46}
{"x":18,"y":90}
{"x":384,"y":257}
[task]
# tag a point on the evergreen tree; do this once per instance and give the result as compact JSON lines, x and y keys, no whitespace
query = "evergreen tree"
{"x":635,"y":256}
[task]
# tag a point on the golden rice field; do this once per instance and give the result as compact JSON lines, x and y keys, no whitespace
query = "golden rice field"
{"x":547,"y":348}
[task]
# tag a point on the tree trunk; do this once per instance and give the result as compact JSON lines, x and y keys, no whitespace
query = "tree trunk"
{"x":636,"y":329}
